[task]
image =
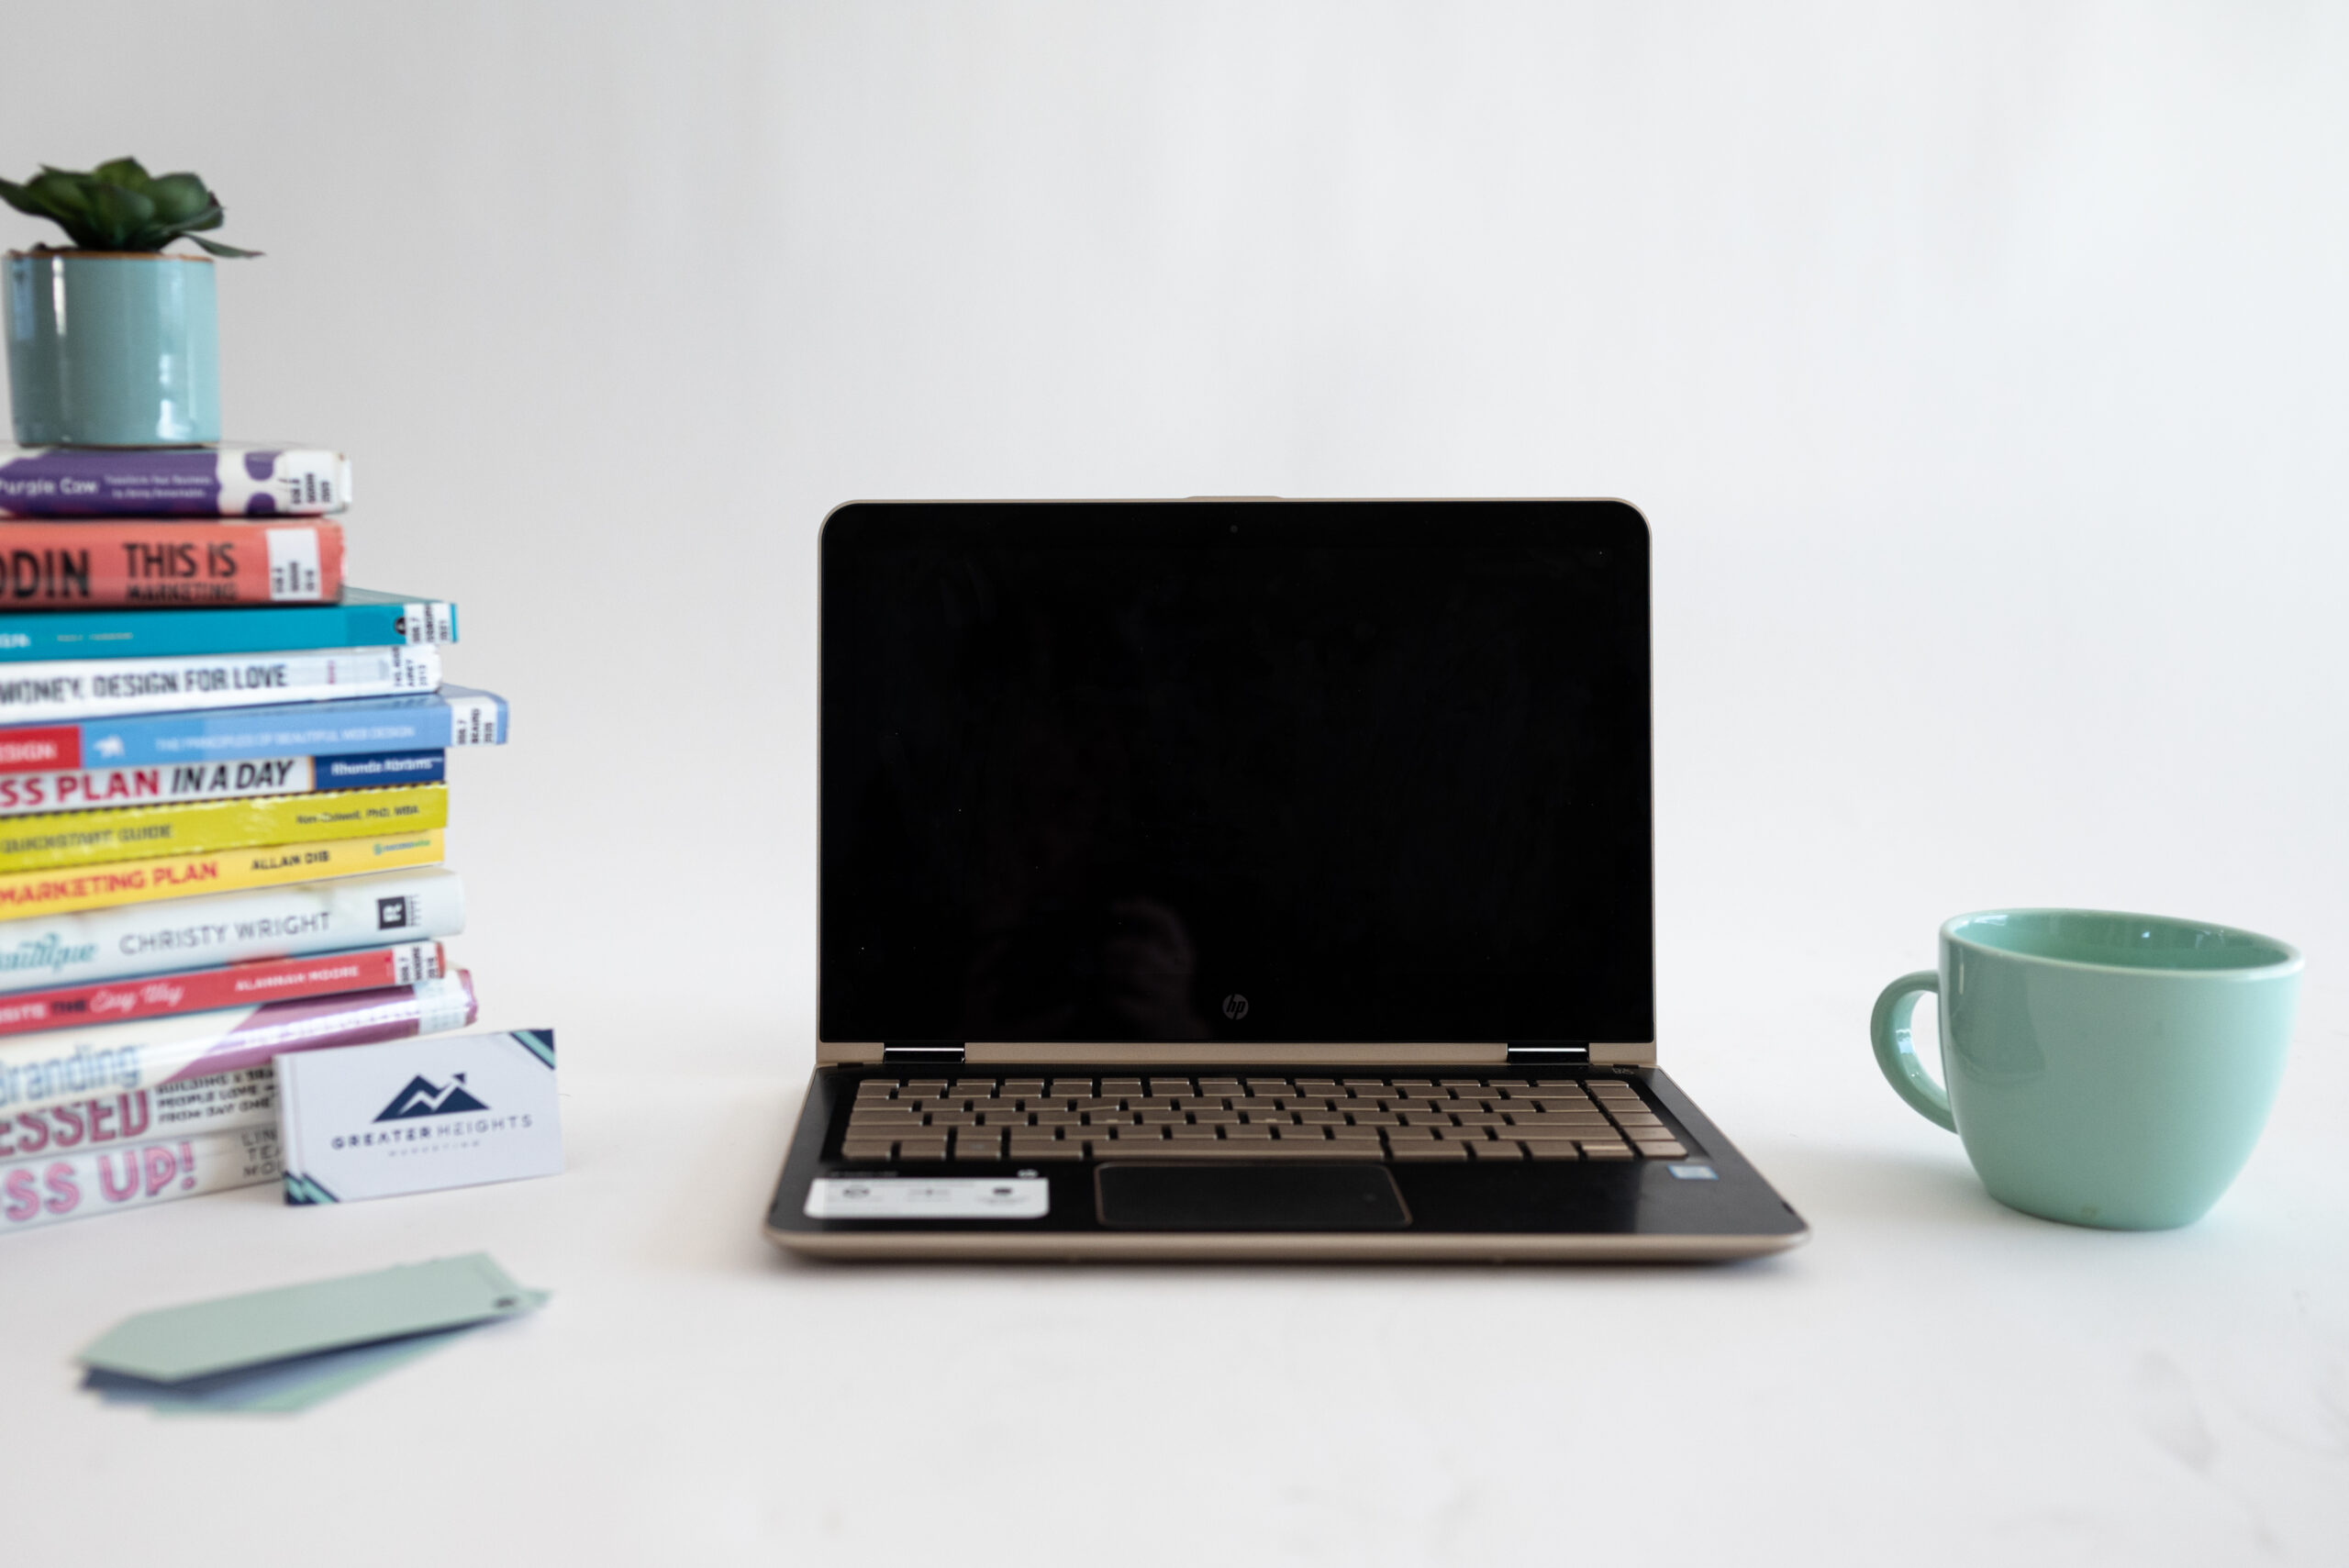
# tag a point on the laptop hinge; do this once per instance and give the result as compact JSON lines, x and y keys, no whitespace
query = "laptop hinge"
{"x":1548,"y":1053}
{"x":921,"y":1051}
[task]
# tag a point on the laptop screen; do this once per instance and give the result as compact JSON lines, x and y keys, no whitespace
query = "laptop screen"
{"x":1236,"y":772}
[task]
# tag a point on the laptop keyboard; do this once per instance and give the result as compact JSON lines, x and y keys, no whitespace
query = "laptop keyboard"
{"x":1029,"y":1120}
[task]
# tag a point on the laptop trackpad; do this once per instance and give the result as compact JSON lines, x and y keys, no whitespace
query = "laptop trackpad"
{"x":1249,"y":1198}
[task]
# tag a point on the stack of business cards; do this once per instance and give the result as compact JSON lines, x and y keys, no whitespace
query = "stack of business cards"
{"x":286,"y":1349}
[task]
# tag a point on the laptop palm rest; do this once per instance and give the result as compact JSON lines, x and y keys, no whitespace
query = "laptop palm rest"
{"x":1249,"y":1197}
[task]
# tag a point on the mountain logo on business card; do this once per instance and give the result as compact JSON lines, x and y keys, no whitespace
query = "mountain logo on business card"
{"x":424,"y":1097}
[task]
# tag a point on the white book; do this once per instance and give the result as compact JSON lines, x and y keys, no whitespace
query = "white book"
{"x":81,"y":789}
{"x":228,"y":928}
{"x":245,"y":1096}
{"x":133,"y":1175}
{"x":51,"y":691}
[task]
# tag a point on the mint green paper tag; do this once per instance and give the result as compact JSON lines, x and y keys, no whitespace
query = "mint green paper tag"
{"x":175,"y":1344}
{"x":271,"y":1389}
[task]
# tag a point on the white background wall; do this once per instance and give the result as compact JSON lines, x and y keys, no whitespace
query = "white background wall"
{"x":1978,"y":367}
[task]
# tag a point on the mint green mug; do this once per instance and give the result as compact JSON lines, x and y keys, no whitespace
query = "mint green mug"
{"x":2102,"y":1069}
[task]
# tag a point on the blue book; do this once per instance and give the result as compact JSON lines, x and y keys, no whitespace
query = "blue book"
{"x":453,"y":716}
{"x":381,"y":771}
{"x":365,"y":618}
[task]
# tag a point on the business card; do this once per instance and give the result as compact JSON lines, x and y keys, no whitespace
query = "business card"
{"x":416,"y":1116}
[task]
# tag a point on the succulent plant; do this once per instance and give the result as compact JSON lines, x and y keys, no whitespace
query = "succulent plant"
{"x":119,"y":207}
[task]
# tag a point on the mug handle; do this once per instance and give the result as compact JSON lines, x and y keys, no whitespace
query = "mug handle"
{"x":1895,"y":1052}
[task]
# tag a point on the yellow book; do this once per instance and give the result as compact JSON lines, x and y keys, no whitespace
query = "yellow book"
{"x":227,"y":870}
{"x":196,"y":827}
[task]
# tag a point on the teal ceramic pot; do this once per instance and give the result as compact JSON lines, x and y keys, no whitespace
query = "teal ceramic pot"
{"x":2101,"y":1069}
{"x":109,"y":350}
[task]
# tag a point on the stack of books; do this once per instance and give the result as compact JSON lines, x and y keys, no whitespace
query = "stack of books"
{"x":222,"y":795}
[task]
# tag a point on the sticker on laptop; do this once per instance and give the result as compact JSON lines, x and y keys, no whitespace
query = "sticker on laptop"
{"x":929,"y":1197}
{"x":1695,"y":1172}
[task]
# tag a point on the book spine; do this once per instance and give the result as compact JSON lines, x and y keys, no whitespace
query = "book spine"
{"x":108,"y":1180}
{"x":243,"y":1097}
{"x":96,"y":688}
{"x":454,"y":716}
{"x":205,"y":990}
{"x":218,"y":482}
{"x":360,"y":619}
{"x":44,"y":951}
{"x":67,"y":1066}
{"x":66,"y":839}
{"x":30,"y":895}
{"x":78,"y":798}
{"x":49,"y":565}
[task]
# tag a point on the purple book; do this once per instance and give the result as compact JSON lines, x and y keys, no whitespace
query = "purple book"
{"x":229,"y":481}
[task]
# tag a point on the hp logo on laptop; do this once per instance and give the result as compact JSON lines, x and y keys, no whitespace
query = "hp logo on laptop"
{"x":1235,"y":1006}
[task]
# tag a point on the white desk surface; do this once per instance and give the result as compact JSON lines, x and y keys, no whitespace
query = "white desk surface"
{"x":1931,"y":1376}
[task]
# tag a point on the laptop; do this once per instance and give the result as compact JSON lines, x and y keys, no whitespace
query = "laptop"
{"x":1245,"y":878}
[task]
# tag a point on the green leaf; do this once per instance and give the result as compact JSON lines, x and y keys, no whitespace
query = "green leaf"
{"x":62,"y":198}
{"x":216,"y":247}
{"x":178,"y":198}
{"x":21,"y":199}
{"x":63,"y":193}
{"x":121,"y":214}
{"x":125,"y":173}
